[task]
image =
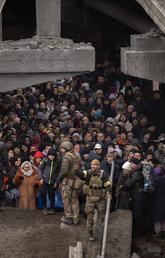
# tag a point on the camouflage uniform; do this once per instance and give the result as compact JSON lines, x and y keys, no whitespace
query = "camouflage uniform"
{"x":67,"y":179}
{"x":96,"y":188}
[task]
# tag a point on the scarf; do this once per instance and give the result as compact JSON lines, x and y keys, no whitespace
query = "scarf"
{"x":29,"y":172}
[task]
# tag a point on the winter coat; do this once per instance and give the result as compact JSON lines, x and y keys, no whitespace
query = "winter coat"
{"x":3,"y":155}
{"x":93,"y":155}
{"x":107,"y":168}
{"x":27,"y":199}
{"x":1,"y":178}
{"x":48,"y":170}
{"x":157,"y":201}
{"x":135,"y":185}
{"x":122,"y":195}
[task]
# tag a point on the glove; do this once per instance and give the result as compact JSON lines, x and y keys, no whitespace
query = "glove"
{"x":36,"y":186}
{"x":108,"y":195}
{"x":21,"y":177}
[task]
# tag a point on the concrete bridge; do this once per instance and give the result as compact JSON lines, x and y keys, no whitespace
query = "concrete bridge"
{"x":45,"y":57}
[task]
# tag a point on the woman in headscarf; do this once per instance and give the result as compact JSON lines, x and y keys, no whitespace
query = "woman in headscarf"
{"x":28,"y":184}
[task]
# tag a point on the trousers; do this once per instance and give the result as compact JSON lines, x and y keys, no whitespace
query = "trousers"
{"x":70,"y":202}
{"x":90,"y":207}
{"x":51,"y":193}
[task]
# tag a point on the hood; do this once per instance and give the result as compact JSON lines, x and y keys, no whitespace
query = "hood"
{"x":37,"y":154}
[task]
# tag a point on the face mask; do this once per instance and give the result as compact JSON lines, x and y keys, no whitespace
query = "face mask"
{"x":66,"y":113}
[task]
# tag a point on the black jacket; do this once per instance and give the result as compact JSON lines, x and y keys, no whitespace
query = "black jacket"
{"x":48,"y":170}
{"x":157,"y":202}
{"x":135,"y":184}
{"x":3,"y":156}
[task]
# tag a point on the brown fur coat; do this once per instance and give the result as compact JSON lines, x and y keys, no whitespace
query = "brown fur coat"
{"x":27,"y":199}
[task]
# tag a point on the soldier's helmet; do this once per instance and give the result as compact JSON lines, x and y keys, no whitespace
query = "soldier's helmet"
{"x":95,"y":162}
{"x":68,"y":146}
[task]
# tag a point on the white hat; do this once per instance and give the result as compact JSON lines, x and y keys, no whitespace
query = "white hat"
{"x":126,"y":166}
{"x":119,"y":151}
{"x":97,"y":146}
{"x":63,"y":108}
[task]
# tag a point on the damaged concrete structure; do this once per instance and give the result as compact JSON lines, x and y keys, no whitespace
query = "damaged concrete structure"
{"x":44,"y":57}
{"x":146,"y":56}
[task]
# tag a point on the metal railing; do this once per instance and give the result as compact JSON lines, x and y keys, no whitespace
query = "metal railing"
{"x":107,"y":215}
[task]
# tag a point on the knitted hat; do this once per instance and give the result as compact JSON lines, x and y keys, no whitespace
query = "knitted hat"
{"x":52,"y":152}
{"x":158,"y":171}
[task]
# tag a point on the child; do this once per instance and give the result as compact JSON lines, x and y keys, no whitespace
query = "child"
{"x":47,"y":172}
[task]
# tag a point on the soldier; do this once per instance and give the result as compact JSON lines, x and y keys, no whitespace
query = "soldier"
{"x":97,"y":188}
{"x":69,"y":183}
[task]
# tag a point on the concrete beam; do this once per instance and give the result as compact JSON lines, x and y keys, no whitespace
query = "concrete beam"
{"x":14,"y":81}
{"x":36,"y":60}
{"x":147,"y":42}
{"x":41,"y":55}
{"x":156,"y":10}
{"x":145,"y":58}
{"x":48,"y":18}
{"x":123,"y":14}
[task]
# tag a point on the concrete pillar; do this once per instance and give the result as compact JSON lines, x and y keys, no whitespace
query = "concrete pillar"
{"x":0,"y":26}
{"x":48,"y":18}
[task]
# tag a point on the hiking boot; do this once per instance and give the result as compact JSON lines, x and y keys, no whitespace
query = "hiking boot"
{"x":45,"y":211}
{"x":91,"y":237}
{"x":76,"y":223}
{"x":67,"y":221}
{"x":51,"y":212}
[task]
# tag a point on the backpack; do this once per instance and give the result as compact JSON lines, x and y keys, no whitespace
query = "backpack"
{"x":76,"y":162}
{"x":148,"y":184}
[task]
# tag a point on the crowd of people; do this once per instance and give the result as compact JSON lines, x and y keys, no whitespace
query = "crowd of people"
{"x":107,"y":118}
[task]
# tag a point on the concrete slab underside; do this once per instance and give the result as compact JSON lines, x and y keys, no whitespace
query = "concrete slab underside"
{"x":156,"y":10}
{"x":36,"y":60}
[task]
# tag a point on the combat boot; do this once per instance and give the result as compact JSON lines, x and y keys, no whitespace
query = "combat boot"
{"x":67,"y":221}
{"x":91,"y":237}
{"x":51,"y":212}
{"x":45,"y":211}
